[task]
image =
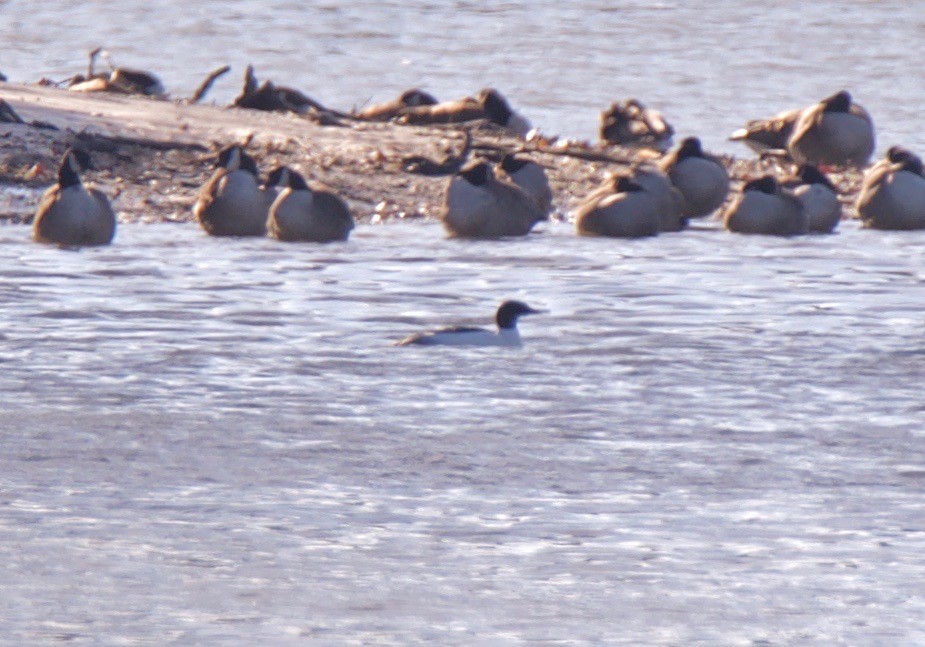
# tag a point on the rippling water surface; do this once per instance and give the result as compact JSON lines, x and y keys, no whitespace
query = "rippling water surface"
{"x":708,"y":439}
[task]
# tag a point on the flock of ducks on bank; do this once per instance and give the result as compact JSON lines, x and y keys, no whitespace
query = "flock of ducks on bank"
{"x":485,"y":201}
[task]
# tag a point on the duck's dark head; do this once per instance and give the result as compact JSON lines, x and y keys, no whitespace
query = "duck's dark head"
{"x":234,"y":158}
{"x":912,"y":164}
{"x":283,"y":176}
{"x":838,"y":102}
{"x":624,"y":184}
{"x":765,"y":184}
{"x":511,"y":163}
{"x":495,"y":106}
{"x":73,"y":162}
{"x":417,"y":97}
{"x":810,"y":174}
{"x":690,"y":147}
{"x":477,"y":173}
{"x":509,"y":311}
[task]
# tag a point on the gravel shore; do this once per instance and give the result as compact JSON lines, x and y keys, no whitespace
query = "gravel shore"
{"x":152,"y":155}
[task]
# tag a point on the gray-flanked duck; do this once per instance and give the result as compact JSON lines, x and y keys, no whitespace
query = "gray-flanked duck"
{"x":531,"y":177}
{"x":834,"y":132}
{"x":231,"y":202}
{"x":506,"y":335}
{"x":701,"y":178}
{"x":479,"y":204}
{"x":893,"y":193}
{"x":70,"y":213}
{"x":818,"y":197}
{"x":302,"y":213}
{"x":763,"y":207}
{"x":624,"y":209}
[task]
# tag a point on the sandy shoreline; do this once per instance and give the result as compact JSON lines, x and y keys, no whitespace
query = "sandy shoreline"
{"x":153,"y":155}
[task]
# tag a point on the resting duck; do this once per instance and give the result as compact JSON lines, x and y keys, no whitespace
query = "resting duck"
{"x":818,"y":197}
{"x":893,"y":193}
{"x":834,"y":132}
{"x":70,"y":213}
{"x":764,"y":207}
{"x":632,"y":124}
{"x":702,"y":179}
{"x":302,"y":213}
{"x":668,"y":200}
{"x":506,"y":335}
{"x":770,"y":134}
{"x":390,"y":109}
{"x":480,"y":205}
{"x":119,"y":79}
{"x":232,"y":203}
{"x":531,"y":177}
{"x":487,"y":104}
{"x":623,"y":210}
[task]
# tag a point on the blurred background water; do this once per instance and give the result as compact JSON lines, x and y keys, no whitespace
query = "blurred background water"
{"x":708,"y":440}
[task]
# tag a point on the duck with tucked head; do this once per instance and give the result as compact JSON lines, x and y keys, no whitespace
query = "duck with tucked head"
{"x":499,"y":112}
{"x":702,"y":179}
{"x":893,"y":193}
{"x":624,"y":209}
{"x":531,"y":177}
{"x":772,"y":134}
{"x":818,"y":197}
{"x":764,"y":207}
{"x":834,"y":132}
{"x":480,"y":205}
{"x":506,"y":335}
{"x":629,"y":123}
{"x":390,"y":109}
{"x":232,"y":203}
{"x":71,"y":213}
{"x":302,"y":213}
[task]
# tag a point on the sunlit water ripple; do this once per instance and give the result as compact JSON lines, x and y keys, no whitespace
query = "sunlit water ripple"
{"x":708,"y":439}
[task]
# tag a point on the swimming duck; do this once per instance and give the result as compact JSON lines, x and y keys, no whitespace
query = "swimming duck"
{"x":768,"y":134}
{"x":531,"y":177}
{"x":506,"y":335}
{"x":302,"y":213}
{"x":764,"y":207}
{"x":70,"y":213}
{"x":893,"y":194}
{"x":835,"y":132}
{"x":480,"y":205}
{"x":391,"y":109}
{"x":818,"y":197}
{"x":623,"y":210}
{"x":632,"y":124}
{"x":232,"y":203}
{"x":701,"y":178}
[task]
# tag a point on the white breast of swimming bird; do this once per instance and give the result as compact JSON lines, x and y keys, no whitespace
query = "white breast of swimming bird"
{"x":467,"y":337}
